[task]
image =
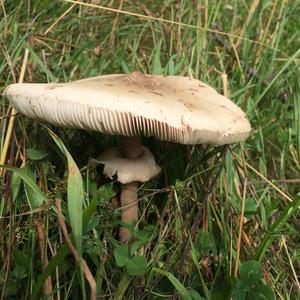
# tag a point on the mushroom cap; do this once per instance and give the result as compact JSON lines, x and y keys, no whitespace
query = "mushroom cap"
{"x":127,"y":170}
{"x":171,"y":108}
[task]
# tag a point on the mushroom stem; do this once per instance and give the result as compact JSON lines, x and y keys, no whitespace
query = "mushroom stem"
{"x":131,"y":148}
{"x":129,"y":204}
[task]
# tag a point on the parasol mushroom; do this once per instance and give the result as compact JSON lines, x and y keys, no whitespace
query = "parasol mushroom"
{"x":171,"y":108}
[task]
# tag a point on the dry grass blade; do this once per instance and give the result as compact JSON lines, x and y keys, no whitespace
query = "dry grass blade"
{"x":13,"y":115}
{"x":291,"y":263}
{"x":41,"y":237}
{"x":249,"y":17}
{"x":170,"y":22}
{"x":269,"y":182}
{"x":266,"y":30}
{"x":87,"y":273}
{"x":225,"y":84}
{"x":58,"y":19}
{"x":114,"y":25}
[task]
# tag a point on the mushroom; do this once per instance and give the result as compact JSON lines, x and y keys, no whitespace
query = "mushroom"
{"x":171,"y":108}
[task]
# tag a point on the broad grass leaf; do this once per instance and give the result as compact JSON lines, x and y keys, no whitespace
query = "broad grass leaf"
{"x":35,"y":196}
{"x":75,"y":193}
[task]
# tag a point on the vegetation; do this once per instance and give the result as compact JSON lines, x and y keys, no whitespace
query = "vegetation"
{"x":217,"y":223}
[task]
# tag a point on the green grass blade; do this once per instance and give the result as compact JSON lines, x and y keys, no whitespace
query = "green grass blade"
{"x":183,"y":292}
{"x":277,"y":225}
{"x":61,"y":253}
{"x":157,"y":68}
{"x":280,"y":72}
{"x":44,"y":68}
{"x":54,"y":262}
{"x":36,"y":198}
{"x":75,"y":194}
{"x":297,"y":116}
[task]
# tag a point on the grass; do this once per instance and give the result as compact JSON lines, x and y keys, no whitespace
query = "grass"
{"x":217,"y":223}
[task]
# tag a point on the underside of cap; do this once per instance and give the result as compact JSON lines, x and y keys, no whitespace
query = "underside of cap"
{"x":171,"y":108}
{"x":127,"y":170}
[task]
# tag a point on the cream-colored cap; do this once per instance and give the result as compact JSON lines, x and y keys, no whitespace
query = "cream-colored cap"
{"x":171,"y":108}
{"x":127,"y":170}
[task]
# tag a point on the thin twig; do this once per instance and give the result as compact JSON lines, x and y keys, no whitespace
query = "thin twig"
{"x":8,"y":116}
{"x":87,"y":273}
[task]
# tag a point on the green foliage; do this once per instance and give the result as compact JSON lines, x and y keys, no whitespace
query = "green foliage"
{"x":182,"y":291}
{"x":248,"y":284}
{"x":250,"y":272}
{"x":250,"y":207}
{"x":36,"y":154}
{"x":164,"y":259}
{"x":135,"y":264}
{"x":34,"y":195}
{"x":75,"y":194}
{"x":276,"y":226}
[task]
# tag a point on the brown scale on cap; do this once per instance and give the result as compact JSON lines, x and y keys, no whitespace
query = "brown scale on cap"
{"x":139,"y":79}
{"x":172,"y":108}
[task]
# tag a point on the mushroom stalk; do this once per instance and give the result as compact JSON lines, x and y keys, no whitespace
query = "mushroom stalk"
{"x":129,"y":204}
{"x":131,"y":148}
